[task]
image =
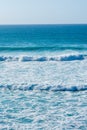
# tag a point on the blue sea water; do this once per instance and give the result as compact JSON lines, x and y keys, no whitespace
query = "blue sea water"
{"x":43,"y":77}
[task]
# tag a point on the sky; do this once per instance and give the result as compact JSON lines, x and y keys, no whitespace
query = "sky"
{"x":43,"y":11}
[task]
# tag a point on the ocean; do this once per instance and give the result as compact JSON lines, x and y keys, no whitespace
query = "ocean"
{"x":43,"y":77}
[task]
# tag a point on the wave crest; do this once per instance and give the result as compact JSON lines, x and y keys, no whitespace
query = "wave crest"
{"x":31,"y":87}
{"x":70,"y":57}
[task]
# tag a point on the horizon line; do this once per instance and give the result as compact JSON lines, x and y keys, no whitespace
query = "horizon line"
{"x":45,"y":24}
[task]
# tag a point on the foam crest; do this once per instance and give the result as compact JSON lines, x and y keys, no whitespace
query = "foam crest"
{"x":70,"y":57}
{"x":42,"y":87}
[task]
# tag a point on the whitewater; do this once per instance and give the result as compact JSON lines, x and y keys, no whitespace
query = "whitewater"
{"x":43,"y":77}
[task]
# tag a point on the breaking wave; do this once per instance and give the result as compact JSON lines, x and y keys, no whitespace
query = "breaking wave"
{"x":70,"y":57}
{"x":46,"y":87}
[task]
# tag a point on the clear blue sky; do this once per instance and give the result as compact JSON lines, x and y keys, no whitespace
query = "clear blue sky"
{"x":43,"y":11}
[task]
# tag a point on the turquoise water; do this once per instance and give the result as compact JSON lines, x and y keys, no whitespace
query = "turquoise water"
{"x":43,"y":77}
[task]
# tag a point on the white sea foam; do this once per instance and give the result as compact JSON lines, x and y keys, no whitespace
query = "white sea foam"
{"x":50,"y":76}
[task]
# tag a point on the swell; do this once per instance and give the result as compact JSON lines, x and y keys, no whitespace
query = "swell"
{"x":50,"y":48}
{"x":70,"y":57}
{"x":32,"y":87}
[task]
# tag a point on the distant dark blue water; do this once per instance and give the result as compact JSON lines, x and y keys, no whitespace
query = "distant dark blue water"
{"x":43,"y":77}
{"x":34,"y":37}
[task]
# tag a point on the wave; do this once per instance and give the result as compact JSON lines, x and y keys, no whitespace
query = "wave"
{"x":70,"y":57}
{"x":43,"y":48}
{"x":31,"y":87}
